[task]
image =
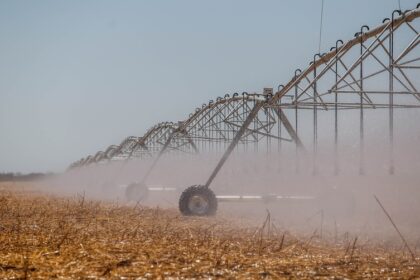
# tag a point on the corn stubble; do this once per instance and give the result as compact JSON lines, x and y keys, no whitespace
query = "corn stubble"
{"x":46,"y":237}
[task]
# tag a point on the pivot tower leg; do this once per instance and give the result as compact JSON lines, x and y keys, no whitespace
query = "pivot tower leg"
{"x":235,"y":141}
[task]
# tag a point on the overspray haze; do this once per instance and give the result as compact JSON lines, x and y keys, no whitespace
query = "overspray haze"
{"x":315,"y":198}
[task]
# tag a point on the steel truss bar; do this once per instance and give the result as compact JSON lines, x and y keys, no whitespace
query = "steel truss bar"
{"x":410,"y":16}
{"x":341,"y":79}
{"x":235,"y":141}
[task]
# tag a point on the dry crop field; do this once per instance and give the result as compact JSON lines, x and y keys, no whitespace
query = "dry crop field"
{"x":46,"y":237}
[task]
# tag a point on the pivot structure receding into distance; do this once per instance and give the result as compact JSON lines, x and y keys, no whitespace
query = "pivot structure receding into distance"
{"x":378,"y":69}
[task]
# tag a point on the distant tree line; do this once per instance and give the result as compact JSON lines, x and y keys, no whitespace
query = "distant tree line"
{"x":23,"y":177}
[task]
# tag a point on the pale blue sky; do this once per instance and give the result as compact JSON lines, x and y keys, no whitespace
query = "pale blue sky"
{"x":77,"y":76}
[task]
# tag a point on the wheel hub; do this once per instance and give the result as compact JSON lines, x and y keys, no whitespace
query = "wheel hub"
{"x":198,"y":204}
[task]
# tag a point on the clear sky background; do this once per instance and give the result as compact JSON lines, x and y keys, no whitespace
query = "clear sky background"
{"x":77,"y":76}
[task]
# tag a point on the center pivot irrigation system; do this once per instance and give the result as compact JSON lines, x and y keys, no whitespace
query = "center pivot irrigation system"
{"x":377,"y":69}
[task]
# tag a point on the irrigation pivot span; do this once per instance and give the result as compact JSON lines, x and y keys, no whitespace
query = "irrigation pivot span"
{"x":378,"y":69}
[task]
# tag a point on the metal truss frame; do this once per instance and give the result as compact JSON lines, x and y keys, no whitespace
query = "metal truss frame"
{"x":377,"y":69}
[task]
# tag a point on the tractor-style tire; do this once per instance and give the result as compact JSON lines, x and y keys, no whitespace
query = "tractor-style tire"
{"x":136,"y":192}
{"x":198,"y":200}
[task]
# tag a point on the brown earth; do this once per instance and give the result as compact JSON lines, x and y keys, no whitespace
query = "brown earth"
{"x":47,"y":237}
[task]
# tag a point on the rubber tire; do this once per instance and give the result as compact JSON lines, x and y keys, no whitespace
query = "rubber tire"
{"x":198,"y":190}
{"x":136,"y":192}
